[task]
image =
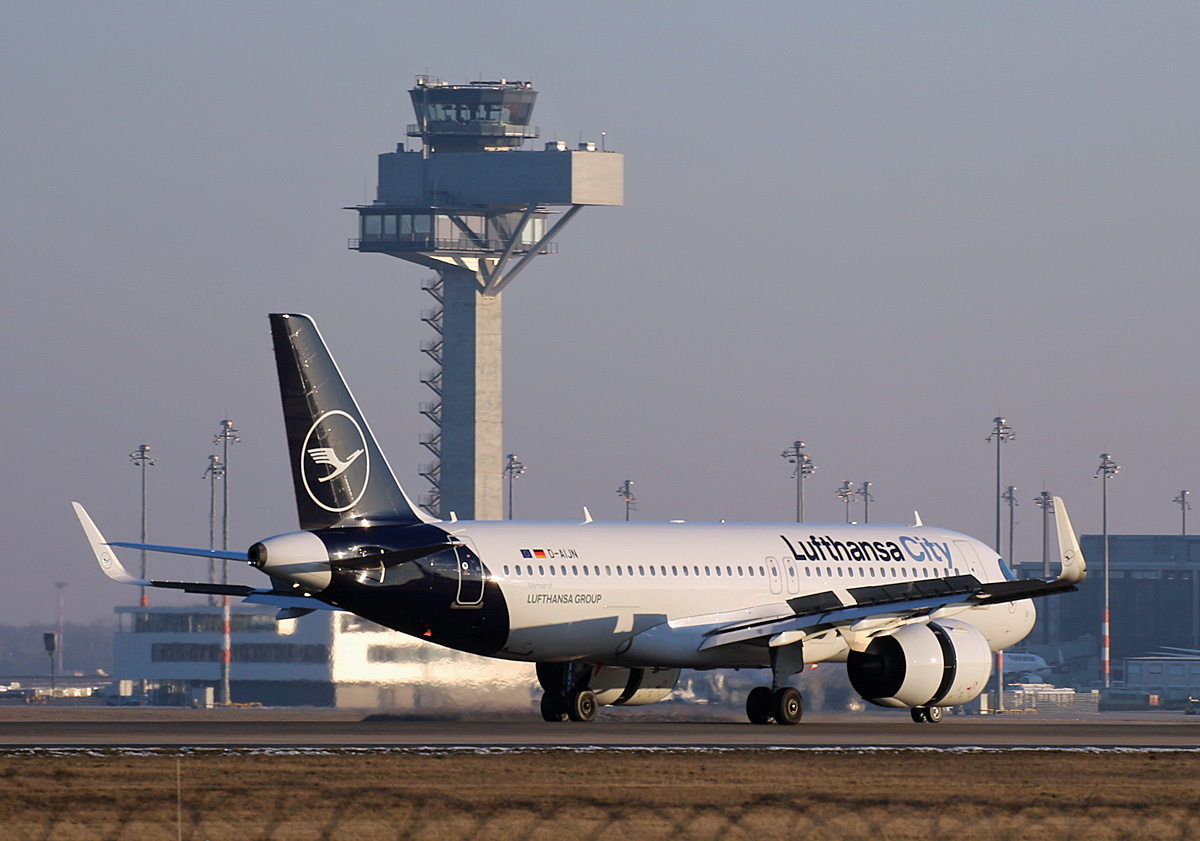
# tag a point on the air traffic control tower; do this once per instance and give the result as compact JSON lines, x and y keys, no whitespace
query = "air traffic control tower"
{"x":476,"y":208}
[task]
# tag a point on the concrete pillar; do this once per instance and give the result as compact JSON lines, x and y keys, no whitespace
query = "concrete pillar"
{"x":472,"y":400}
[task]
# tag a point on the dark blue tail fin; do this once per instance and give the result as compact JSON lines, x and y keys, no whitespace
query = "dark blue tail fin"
{"x":339,"y":472}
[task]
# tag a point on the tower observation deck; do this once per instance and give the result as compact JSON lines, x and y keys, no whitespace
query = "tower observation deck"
{"x":475,"y":207}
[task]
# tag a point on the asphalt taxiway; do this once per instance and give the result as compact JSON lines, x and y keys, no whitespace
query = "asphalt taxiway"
{"x":146,"y":728}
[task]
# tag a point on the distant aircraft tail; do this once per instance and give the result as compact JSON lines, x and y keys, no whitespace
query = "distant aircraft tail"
{"x":339,"y":472}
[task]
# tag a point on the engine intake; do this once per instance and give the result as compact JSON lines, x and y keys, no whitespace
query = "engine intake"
{"x":942,"y":663}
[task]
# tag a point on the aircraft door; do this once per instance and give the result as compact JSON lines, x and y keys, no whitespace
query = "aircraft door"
{"x":470,"y":576}
{"x":773,"y":574}
{"x":969,"y":556}
{"x":793,"y":580}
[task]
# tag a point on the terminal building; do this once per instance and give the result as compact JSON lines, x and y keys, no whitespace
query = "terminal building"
{"x":171,"y":656}
{"x":1154,"y":598}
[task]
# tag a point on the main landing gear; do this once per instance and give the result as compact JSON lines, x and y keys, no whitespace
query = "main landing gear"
{"x":928,"y":715}
{"x":566,"y":692}
{"x":784,"y":705}
{"x":578,"y":705}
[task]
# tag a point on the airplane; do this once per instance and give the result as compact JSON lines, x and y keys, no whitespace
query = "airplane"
{"x":1027,"y":668}
{"x":611,"y":612}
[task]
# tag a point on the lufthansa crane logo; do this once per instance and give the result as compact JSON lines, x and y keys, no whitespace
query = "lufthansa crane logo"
{"x":334,"y":464}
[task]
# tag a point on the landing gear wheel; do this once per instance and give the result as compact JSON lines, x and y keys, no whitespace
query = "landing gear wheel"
{"x":758,"y":705}
{"x":787,"y":706}
{"x":553,"y":708}
{"x":920,"y":715}
{"x":582,"y":705}
{"x":934,"y":714}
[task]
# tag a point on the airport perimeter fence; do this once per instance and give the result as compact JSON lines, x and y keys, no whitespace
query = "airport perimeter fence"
{"x":363,"y":816}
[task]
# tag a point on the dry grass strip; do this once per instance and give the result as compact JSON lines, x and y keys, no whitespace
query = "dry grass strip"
{"x":560,"y":796}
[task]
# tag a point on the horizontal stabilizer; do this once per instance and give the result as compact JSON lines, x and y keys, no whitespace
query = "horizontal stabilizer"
{"x":222,"y":554}
{"x":106,"y":556}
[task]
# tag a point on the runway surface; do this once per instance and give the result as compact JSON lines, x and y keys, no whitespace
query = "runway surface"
{"x":151,"y":728}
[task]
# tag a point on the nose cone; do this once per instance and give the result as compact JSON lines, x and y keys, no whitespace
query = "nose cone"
{"x":298,"y":558}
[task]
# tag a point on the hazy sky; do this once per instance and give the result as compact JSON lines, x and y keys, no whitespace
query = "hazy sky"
{"x":873,"y":226}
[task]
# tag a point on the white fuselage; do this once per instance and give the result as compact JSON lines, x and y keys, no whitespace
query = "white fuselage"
{"x":645,"y":594}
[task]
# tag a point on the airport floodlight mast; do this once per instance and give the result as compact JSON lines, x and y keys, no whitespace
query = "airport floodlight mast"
{"x":1107,"y":469}
{"x":864,"y":490}
{"x":60,"y":586}
{"x":512,"y":469}
{"x":804,"y":468}
{"x":1010,"y":496}
{"x":846,"y":493}
{"x":1184,"y":507}
{"x":228,"y":435}
{"x":476,"y":208}
{"x":214,"y":471}
{"x":1045,"y":502}
{"x":142,"y":458}
{"x":1001,"y":432}
{"x":626,"y":494}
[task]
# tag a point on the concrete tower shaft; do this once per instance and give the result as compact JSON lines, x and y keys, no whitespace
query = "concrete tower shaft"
{"x":472,"y":206}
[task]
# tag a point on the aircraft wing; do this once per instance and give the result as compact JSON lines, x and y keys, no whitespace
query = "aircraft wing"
{"x":884,"y":607}
{"x":111,"y":566}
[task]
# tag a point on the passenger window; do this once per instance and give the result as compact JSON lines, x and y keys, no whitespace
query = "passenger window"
{"x":718,"y":572}
{"x":739,"y":571}
{"x":597,"y":569}
{"x":630,"y":568}
{"x":641,"y":570}
{"x":663,"y":569}
{"x":585,"y":572}
{"x":506,"y":569}
{"x":839,"y":572}
{"x":707,"y":571}
{"x":652,"y":570}
{"x":607,"y":569}
{"x":619,"y":571}
{"x":696,"y":570}
{"x":818,"y":572}
{"x":674,"y":570}
{"x":808,"y":572}
{"x":574,"y":570}
{"x":685,"y":572}
{"x":541,"y":571}
{"x":729,"y":570}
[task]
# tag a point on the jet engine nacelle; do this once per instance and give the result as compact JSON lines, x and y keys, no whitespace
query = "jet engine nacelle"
{"x":298,"y":558}
{"x":631,"y":687}
{"x":942,"y":663}
{"x":612,"y":685}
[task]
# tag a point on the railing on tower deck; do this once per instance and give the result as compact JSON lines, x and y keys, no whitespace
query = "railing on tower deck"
{"x":405,"y":242}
